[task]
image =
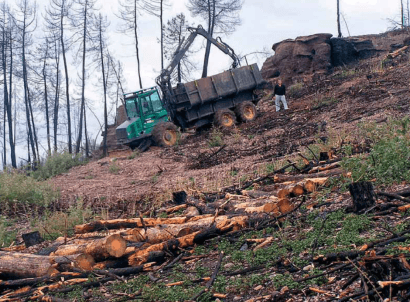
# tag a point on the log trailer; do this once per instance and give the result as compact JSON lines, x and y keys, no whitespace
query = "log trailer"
{"x":155,"y":114}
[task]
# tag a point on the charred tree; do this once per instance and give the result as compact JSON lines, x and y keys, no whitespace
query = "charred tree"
{"x":56,"y":18}
{"x":363,"y":195}
{"x":221,"y":16}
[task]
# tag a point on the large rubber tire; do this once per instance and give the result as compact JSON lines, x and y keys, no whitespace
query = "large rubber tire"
{"x":225,"y":119}
{"x":165,"y":134}
{"x":246,"y":112}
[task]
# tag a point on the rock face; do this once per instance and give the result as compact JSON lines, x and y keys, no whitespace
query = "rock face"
{"x":304,"y":55}
{"x":345,"y":51}
{"x":297,"y":60}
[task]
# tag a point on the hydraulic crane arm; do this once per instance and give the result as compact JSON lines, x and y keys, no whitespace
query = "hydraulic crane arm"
{"x":186,"y":44}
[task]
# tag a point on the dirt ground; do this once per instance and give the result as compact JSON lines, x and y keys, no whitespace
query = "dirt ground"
{"x":331,"y":106}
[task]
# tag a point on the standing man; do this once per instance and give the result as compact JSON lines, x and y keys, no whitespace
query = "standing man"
{"x":280,"y":92}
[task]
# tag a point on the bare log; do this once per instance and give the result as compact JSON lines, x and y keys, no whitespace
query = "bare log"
{"x":125,"y":224}
{"x":18,"y":265}
{"x":141,"y":256}
{"x":100,"y":249}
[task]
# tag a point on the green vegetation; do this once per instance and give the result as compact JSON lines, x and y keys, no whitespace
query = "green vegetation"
{"x":56,"y":164}
{"x":6,"y":236}
{"x":21,"y":191}
{"x":296,"y":90}
{"x":134,"y":154}
{"x":215,"y":138}
{"x":56,"y":224}
{"x":388,"y":161}
{"x":114,"y":168}
{"x":324,"y":102}
{"x":345,"y":73}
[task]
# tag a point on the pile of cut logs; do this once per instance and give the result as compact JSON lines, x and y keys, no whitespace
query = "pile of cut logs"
{"x":110,"y":249}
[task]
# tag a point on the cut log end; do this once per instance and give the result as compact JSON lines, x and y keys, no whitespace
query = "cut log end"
{"x":116,"y":245}
{"x":85,"y":262}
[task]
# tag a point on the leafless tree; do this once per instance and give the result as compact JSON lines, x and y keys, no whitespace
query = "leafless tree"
{"x":129,"y":12}
{"x":56,"y":20}
{"x":6,"y":27}
{"x":83,"y":12}
{"x":222,"y":16}
{"x":402,"y":14}
{"x":101,"y":28}
{"x":44,"y":57}
{"x":339,"y":31}
{"x":26,"y":23}
{"x":174,"y":33}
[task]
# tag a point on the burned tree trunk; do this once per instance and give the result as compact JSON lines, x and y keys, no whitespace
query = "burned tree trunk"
{"x":363,"y":195}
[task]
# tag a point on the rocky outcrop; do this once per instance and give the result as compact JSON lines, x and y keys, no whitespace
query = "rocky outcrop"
{"x":304,"y":55}
{"x":345,"y":51}
{"x":297,"y":60}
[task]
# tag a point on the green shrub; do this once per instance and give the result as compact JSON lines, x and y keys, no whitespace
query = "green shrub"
{"x":6,"y":236}
{"x":389,"y":158}
{"x":215,"y":138}
{"x":56,"y":224}
{"x":324,"y":102}
{"x":56,"y":164}
{"x":20,"y":190}
{"x":296,"y":90}
{"x":114,"y":168}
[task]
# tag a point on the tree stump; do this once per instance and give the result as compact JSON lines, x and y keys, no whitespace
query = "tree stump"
{"x":179,"y":197}
{"x":32,"y":238}
{"x":324,"y":156}
{"x":363,"y":195}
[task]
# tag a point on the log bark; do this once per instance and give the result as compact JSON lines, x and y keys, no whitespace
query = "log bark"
{"x":296,"y":178}
{"x":142,"y":256}
{"x":325,"y":168}
{"x":125,"y":224}
{"x":100,"y":249}
{"x":18,"y":265}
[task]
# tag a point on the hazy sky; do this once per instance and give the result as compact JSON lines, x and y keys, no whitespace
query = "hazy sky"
{"x":264,"y":22}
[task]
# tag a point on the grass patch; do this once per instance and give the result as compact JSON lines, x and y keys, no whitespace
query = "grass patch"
{"x":345,"y":73}
{"x":134,"y":154}
{"x":6,"y":236}
{"x":56,"y":164}
{"x":296,"y":90}
{"x":215,"y":138}
{"x":324,"y":102}
{"x":114,"y":168}
{"x":56,"y":224}
{"x":388,"y":161}
{"x":20,"y":191}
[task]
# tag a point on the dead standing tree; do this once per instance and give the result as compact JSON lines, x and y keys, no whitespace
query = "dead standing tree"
{"x":222,"y":17}
{"x":26,"y":24}
{"x":339,"y":31}
{"x":101,"y":26}
{"x":174,"y":33}
{"x":82,"y":18}
{"x":6,"y":27}
{"x":129,"y":12}
{"x":56,"y":17}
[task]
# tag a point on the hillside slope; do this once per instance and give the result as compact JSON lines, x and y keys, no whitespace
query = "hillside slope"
{"x":328,"y":105}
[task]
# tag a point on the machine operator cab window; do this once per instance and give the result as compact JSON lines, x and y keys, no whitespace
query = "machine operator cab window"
{"x":150,"y":102}
{"x":132,"y":108}
{"x":144,"y":104}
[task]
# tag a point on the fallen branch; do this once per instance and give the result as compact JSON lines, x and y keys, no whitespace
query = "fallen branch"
{"x":213,"y":278}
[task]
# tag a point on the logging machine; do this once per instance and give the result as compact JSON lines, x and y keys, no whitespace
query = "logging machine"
{"x":155,"y":114}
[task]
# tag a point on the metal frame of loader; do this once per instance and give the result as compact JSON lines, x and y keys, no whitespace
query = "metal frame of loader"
{"x":199,"y":102}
